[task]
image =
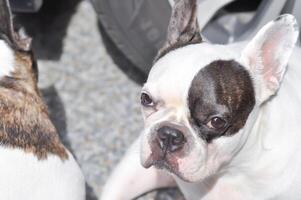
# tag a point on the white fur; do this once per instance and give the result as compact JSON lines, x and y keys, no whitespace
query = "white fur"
{"x":269,"y":165}
{"x":23,"y":176}
{"x":130,"y":179}
{"x":269,"y":51}
{"x":6,"y":59}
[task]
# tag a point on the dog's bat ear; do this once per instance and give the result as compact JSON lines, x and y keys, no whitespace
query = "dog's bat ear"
{"x":183,"y":27}
{"x":15,"y":40}
{"x":268,"y":53}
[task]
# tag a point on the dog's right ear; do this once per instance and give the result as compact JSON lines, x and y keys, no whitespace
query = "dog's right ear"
{"x":183,"y":27}
{"x":7,"y":33}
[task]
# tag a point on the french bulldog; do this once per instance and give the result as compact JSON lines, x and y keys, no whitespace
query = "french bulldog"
{"x":221,"y":121}
{"x":34,"y":163}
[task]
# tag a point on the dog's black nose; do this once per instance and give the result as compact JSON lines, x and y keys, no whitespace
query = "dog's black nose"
{"x":170,"y":139}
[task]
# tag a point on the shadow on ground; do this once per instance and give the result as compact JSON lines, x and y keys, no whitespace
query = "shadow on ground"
{"x":58,"y":116}
{"x":124,"y":64}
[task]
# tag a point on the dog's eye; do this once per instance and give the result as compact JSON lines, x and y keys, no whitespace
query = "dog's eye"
{"x":216,"y":123}
{"x":146,"y":100}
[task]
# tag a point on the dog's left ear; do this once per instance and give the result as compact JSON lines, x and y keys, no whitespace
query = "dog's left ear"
{"x":15,"y":40}
{"x":268,"y":53}
{"x":183,"y":27}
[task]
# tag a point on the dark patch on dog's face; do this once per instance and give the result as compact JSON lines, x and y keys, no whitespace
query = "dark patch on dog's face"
{"x":222,"y":89}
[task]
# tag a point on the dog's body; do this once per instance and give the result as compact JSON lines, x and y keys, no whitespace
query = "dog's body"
{"x":221,"y":121}
{"x":268,"y":167}
{"x":34,"y":163}
{"x":24,"y":176}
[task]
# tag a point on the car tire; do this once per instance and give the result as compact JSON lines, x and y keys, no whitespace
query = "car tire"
{"x":136,"y":27}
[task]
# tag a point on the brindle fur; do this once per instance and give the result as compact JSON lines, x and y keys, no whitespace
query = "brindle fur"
{"x":24,"y":120}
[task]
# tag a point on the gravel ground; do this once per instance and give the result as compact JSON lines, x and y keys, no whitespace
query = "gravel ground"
{"x":93,"y":104}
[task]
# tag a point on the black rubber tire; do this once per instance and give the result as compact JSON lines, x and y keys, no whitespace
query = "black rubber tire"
{"x":120,"y":59}
{"x":136,"y":27}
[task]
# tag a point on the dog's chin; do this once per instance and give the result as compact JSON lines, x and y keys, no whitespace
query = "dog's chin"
{"x":169,"y":166}
{"x":163,"y":165}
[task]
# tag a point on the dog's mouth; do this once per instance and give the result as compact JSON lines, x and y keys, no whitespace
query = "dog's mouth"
{"x":158,"y":158}
{"x":164,"y":165}
{"x":163,"y":162}
{"x":155,"y":160}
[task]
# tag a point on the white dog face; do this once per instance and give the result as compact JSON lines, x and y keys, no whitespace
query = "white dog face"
{"x":199,"y":100}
